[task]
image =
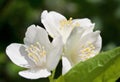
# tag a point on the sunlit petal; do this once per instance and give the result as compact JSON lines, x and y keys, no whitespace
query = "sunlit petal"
{"x":55,"y":54}
{"x":14,"y":53}
{"x":51,"y":21}
{"x":35,"y":74}
{"x":66,"y":65}
{"x":37,"y":34}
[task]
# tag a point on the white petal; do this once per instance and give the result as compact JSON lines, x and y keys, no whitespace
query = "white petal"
{"x":57,"y":41}
{"x":65,"y":33}
{"x":73,"y":40}
{"x":51,"y":21}
{"x":17,"y":56}
{"x":66,"y":66}
{"x":72,"y":45}
{"x":84,"y":23}
{"x":78,"y":39}
{"x":55,"y":54}
{"x":35,"y":74}
{"x":98,"y":44}
{"x":37,"y":34}
{"x":94,"y":38}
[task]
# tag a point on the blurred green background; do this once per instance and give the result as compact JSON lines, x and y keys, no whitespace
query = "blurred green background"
{"x":17,"y":15}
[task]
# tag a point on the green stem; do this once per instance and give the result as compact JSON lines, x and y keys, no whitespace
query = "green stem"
{"x":51,"y":78}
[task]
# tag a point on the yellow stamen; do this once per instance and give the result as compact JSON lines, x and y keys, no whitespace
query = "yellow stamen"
{"x":86,"y":52}
{"x":36,"y":52}
{"x":68,"y":23}
{"x":65,"y":22}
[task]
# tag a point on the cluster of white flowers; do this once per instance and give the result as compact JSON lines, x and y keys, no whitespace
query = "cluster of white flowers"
{"x":73,"y":41}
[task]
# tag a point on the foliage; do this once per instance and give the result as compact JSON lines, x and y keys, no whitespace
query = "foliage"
{"x":102,"y":68}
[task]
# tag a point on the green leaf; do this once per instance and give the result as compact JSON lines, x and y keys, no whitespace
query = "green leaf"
{"x":60,"y":79}
{"x":105,"y":67}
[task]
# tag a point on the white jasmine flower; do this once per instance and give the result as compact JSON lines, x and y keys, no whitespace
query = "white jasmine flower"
{"x":56,"y":24}
{"x":80,"y":46}
{"x":38,"y":54}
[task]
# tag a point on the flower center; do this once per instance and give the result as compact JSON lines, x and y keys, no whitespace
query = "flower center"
{"x":87,"y":52}
{"x":65,"y":22}
{"x":68,"y":23}
{"x":37,"y":53}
